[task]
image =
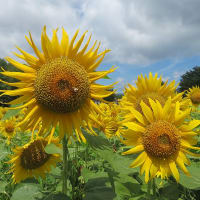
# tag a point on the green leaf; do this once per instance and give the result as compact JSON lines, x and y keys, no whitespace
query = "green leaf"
{"x":121,"y":190}
{"x":3,"y":152}
{"x":59,"y":196}
{"x":101,"y":193}
{"x":106,"y":77}
{"x":193,"y":181}
{"x":55,"y":171}
{"x":27,"y":191}
{"x":2,"y":186}
{"x":170,"y":192}
{"x":10,"y":113}
{"x":96,"y":142}
{"x":88,"y":174}
{"x":52,"y":149}
{"x":130,"y":184}
{"x":118,"y":162}
{"x":98,"y":188}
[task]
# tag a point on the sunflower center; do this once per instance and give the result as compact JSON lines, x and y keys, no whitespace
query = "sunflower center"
{"x":34,"y":156}
{"x":62,"y":85}
{"x":9,"y":128}
{"x":195,"y":97}
{"x":145,"y":98}
{"x":161,"y":139}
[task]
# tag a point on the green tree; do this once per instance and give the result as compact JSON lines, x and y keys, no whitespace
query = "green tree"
{"x":8,"y":67}
{"x":114,"y":97}
{"x":189,"y":79}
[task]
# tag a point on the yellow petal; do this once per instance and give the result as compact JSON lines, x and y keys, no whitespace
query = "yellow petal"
{"x":167,"y":108}
{"x":138,"y":116}
{"x":192,"y":124}
{"x":37,"y":52}
{"x":17,"y":92}
{"x":154,"y":108}
{"x":70,"y":51}
{"x":186,"y":144}
{"x":64,"y":43}
{"x":20,"y":66}
{"x":139,"y":160}
{"x":174,"y":170}
{"x":147,"y":112}
{"x":26,"y":77}
{"x":180,"y":163}
{"x":135,"y":127}
{"x":147,"y":168}
{"x":136,"y":149}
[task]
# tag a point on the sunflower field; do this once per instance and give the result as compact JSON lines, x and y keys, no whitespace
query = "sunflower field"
{"x":60,"y":137}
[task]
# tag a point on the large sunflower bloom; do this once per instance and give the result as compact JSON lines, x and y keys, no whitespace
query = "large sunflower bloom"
{"x":194,"y":95}
{"x":31,"y":160}
{"x":109,"y":122}
{"x":8,"y":128}
{"x":154,"y":88}
{"x":162,"y":137}
{"x":58,"y":85}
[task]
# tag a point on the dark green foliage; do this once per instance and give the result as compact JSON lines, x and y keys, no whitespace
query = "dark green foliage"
{"x":189,"y":79}
{"x":8,"y":67}
{"x":114,"y":97}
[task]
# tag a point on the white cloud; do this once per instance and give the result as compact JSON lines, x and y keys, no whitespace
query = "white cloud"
{"x":138,"y":32}
{"x":166,"y":78}
{"x":177,"y":75}
{"x":121,"y":83}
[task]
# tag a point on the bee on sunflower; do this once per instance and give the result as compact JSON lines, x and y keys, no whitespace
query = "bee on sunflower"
{"x":154,"y":88}
{"x":58,"y":84}
{"x":31,"y":160}
{"x":162,"y":137}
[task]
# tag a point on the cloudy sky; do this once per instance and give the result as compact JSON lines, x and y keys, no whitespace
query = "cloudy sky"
{"x":144,"y":35}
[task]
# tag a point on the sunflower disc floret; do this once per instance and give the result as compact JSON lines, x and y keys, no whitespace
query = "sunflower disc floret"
{"x":34,"y":156}
{"x":161,"y":139}
{"x":62,"y":85}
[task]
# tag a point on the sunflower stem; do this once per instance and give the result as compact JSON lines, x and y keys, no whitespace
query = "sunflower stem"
{"x":65,"y":165}
{"x":149,"y":190}
{"x":154,"y":188}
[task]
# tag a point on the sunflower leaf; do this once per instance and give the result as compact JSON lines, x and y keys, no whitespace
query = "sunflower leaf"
{"x":27,"y":191}
{"x":10,"y":113}
{"x":3,"y":152}
{"x":193,"y":181}
{"x":96,"y":142}
{"x":106,"y":77}
{"x":2,"y":186}
{"x":52,"y":149}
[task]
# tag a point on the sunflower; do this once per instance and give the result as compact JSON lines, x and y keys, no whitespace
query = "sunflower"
{"x":154,"y":88}
{"x":108,"y":122}
{"x":194,"y":95}
{"x":3,"y":110}
{"x":58,"y":84}
{"x":1,"y":116}
{"x":8,"y":128}
{"x":162,"y":137}
{"x":31,"y":160}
